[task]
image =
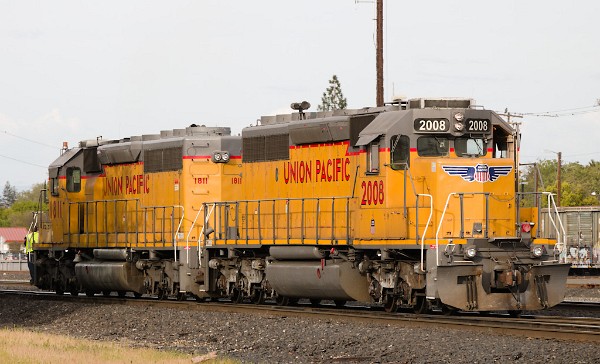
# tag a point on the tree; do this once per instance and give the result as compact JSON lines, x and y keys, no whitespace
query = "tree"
{"x":580,"y":183}
{"x":9,"y":195}
{"x":20,"y":212}
{"x":333,"y":98}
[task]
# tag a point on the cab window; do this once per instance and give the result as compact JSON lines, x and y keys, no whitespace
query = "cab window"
{"x":73,"y":179}
{"x":470,"y":147}
{"x":54,"y":186}
{"x":432,"y":146}
{"x":400,"y":152}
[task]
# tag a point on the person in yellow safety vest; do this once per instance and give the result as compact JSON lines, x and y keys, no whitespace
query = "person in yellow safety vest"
{"x":30,"y":239}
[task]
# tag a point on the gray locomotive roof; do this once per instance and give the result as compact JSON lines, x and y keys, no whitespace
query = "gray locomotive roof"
{"x":380,"y":125}
{"x":194,"y":140}
{"x":61,"y":161}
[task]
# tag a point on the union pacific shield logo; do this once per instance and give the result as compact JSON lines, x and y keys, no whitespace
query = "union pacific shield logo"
{"x":479,"y":173}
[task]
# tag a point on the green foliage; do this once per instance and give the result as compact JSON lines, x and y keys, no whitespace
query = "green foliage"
{"x":333,"y":98}
{"x":20,"y":212}
{"x":578,"y":182}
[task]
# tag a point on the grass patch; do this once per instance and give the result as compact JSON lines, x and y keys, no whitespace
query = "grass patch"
{"x":26,"y":347}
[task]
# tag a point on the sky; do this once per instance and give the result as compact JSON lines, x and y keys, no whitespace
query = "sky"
{"x":77,"y":70}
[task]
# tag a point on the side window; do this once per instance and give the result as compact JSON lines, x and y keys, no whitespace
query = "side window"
{"x":500,"y":145}
{"x":400,"y":152}
{"x":470,"y":147}
{"x":73,"y":179}
{"x":431,"y":146}
{"x":54,"y":186}
{"x":373,"y":158}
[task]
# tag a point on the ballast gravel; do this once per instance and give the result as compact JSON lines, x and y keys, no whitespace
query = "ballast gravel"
{"x":254,"y":338}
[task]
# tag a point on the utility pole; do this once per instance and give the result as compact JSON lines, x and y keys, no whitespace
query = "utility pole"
{"x":379,"y":53}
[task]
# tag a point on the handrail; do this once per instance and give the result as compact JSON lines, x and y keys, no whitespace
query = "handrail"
{"x":177,"y":231}
{"x":257,"y":226}
{"x":560,"y":243}
{"x":187,"y":238}
{"x":437,"y":233}
{"x":426,"y":227}
{"x":137,"y":210}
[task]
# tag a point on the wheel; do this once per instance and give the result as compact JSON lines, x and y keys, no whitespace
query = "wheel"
{"x":121,"y":293}
{"x":106,"y":293}
{"x":60,"y":291}
{"x":315,"y":301}
{"x":74,"y":292}
{"x":162,"y":294}
{"x":181,"y":296}
{"x":258,"y":297}
{"x":448,"y":310}
{"x":421,"y":306}
{"x":89,"y":293}
{"x":236,"y":296}
{"x":515,"y":313}
{"x":282,"y":300}
{"x":339,"y":303}
{"x":137,"y":295}
{"x":390,"y":304}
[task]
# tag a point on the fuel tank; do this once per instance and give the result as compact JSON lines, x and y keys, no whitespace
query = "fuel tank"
{"x":109,"y":276}
{"x":313,"y":279}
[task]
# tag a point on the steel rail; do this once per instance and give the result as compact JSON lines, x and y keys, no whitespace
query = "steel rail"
{"x":546,"y":327}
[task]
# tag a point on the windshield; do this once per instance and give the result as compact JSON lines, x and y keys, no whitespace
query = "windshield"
{"x":470,"y":147}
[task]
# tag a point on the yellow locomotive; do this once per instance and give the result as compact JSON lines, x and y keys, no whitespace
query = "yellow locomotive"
{"x":412,"y":205}
{"x":125,"y":215}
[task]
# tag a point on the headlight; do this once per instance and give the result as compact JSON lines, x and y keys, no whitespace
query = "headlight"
{"x":220,"y":156}
{"x":459,"y":116}
{"x":537,"y":251}
{"x":471,"y":252}
{"x":458,"y":126}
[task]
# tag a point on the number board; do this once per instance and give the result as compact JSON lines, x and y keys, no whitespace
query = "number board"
{"x":478,"y":126}
{"x":432,"y":125}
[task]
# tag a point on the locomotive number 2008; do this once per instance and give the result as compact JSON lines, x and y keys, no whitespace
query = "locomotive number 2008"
{"x":478,"y":125}
{"x":372,"y":193}
{"x":431,"y":125}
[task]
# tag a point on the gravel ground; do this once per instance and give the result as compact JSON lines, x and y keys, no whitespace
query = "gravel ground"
{"x":267,"y":339}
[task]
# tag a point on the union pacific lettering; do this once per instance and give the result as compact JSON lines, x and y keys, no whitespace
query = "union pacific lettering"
{"x":127,"y":185}
{"x":327,"y":170}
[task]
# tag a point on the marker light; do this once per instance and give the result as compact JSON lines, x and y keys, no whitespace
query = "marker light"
{"x":458,"y":126}
{"x":225,"y":156}
{"x":526,"y":227}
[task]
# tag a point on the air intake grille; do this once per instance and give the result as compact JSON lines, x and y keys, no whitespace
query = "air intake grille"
{"x":266,"y":148}
{"x":159,"y":160}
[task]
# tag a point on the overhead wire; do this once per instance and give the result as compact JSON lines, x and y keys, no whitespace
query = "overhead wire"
{"x":30,"y":141}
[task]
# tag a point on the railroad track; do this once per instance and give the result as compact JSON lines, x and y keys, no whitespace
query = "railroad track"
{"x":534,"y":326}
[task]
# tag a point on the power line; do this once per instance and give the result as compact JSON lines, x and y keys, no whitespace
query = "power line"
{"x":21,"y":161}
{"x":32,"y":141}
{"x":560,"y":113}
